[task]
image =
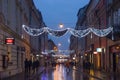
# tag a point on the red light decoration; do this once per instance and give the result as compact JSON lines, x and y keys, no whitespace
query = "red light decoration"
{"x":9,"y":41}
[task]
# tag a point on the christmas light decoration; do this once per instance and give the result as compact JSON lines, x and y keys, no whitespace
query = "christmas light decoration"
{"x":59,"y":33}
{"x":34,"y":32}
{"x":102,"y":32}
{"x":80,"y":33}
{"x":58,"y":51}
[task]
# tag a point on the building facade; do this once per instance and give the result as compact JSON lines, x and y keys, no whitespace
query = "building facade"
{"x":113,"y":19}
{"x":101,"y":14}
{"x":96,"y":18}
{"x":13,"y":14}
{"x":51,"y":45}
{"x":81,"y":42}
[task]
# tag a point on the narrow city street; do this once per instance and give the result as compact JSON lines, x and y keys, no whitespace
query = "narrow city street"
{"x":60,"y":72}
{"x":59,"y":40}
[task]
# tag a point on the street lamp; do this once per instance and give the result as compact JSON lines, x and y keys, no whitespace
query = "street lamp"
{"x":68,"y":40}
{"x":73,"y":58}
{"x":59,"y":44}
{"x":61,"y":25}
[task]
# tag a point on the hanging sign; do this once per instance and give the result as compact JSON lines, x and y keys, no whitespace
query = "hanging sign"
{"x":99,"y":49}
{"x":9,"y":41}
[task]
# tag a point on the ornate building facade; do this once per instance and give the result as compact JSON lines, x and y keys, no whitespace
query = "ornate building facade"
{"x":101,"y":14}
{"x":13,"y":14}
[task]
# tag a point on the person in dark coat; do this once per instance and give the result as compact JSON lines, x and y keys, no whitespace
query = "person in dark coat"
{"x":26,"y":64}
{"x":87,"y":65}
{"x":34,"y":66}
{"x":37,"y":64}
{"x":30,"y":65}
{"x":84,"y":64}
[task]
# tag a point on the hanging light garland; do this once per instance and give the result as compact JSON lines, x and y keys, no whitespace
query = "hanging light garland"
{"x":32,"y":31}
{"x":102,"y":32}
{"x":80,"y":33}
{"x":60,"y":51}
{"x":59,"y":33}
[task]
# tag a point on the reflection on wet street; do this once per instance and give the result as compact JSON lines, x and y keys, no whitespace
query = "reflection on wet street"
{"x":60,"y":72}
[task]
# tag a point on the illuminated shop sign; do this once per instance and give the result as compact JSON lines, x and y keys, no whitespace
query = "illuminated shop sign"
{"x":9,"y":41}
{"x":99,"y":49}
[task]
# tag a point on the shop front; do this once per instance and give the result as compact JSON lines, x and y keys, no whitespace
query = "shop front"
{"x":115,"y":57}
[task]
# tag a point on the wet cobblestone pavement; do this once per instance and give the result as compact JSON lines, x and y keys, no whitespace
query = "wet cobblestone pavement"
{"x":60,"y":72}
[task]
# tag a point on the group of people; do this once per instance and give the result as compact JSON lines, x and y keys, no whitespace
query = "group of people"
{"x":31,"y":66}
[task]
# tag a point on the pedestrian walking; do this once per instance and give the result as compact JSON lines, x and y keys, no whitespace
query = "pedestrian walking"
{"x":37,"y":64}
{"x":67,"y":66}
{"x":29,"y":66}
{"x":87,"y":66}
{"x":34,"y":66}
{"x":26,"y":64}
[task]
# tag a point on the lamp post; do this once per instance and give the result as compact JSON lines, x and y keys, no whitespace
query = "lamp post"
{"x":59,"y":44}
{"x":61,"y":25}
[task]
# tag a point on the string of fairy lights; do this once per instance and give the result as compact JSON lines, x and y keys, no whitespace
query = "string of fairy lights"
{"x":59,"y":33}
